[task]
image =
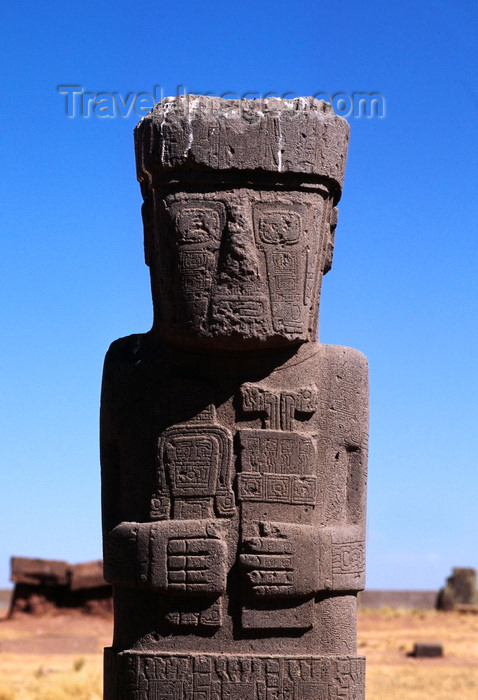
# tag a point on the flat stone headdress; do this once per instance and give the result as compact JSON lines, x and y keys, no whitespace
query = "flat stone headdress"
{"x":287,"y":137}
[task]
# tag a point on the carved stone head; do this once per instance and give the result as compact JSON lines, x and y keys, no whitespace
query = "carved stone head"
{"x":239,"y":217}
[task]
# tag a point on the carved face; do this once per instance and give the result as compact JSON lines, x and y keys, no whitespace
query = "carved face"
{"x":238,"y":268}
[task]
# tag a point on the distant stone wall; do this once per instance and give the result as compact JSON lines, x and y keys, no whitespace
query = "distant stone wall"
{"x":44,"y":585}
{"x":419,"y":600}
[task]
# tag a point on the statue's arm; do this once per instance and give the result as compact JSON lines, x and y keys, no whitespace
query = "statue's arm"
{"x":346,"y":407}
{"x":296,"y":560}
{"x":177,"y":557}
{"x":122,"y":534}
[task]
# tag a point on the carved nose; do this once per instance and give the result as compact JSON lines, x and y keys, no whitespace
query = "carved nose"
{"x":238,"y":258}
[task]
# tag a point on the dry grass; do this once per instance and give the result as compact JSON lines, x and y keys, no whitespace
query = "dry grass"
{"x":385,"y":637}
{"x":55,"y":657}
{"x":50,"y":677}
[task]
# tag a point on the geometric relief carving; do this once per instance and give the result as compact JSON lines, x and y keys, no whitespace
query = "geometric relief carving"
{"x":195,"y":273}
{"x":348,"y":558}
{"x":246,"y":308}
{"x":274,"y":488}
{"x":194,"y":566}
{"x":196,"y":461}
{"x":239,"y":677}
{"x":198,"y":222}
{"x":285,"y":291}
{"x":192,"y":460}
{"x":279,"y":408}
{"x":187,"y":564}
{"x":303,"y":401}
{"x":250,"y":311}
{"x":279,"y":452}
{"x":278,"y":224}
{"x":277,"y":466}
{"x":342,"y":418}
{"x":279,"y":234}
{"x":187,"y":615}
{"x":197,"y":228}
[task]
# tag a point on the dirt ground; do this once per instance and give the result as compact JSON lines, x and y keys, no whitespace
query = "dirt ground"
{"x":387,"y":637}
{"x":67,"y":633}
{"x":38,"y":654}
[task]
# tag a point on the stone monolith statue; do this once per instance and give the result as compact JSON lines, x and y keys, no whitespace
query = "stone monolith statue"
{"x":233,"y":443}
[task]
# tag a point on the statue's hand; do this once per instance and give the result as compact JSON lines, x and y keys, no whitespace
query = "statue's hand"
{"x":188,"y":558}
{"x":177,"y":557}
{"x":282,"y":561}
{"x":120,"y":554}
{"x":196,"y":566}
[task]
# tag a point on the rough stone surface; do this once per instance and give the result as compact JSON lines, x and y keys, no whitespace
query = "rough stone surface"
{"x":43,"y":586}
{"x":460,"y":589}
{"x":416,"y":600}
{"x":86,"y":575}
{"x":233,"y":443}
{"x":193,"y":132}
{"x":39,"y":571}
{"x":427,"y":650}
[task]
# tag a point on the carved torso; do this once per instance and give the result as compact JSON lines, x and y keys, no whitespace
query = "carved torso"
{"x":233,"y":444}
{"x":269,"y":473}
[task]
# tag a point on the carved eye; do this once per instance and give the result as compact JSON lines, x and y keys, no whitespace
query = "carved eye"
{"x":279,"y":226}
{"x":198,"y":222}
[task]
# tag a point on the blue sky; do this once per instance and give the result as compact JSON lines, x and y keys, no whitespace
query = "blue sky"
{"x":403,"y":288}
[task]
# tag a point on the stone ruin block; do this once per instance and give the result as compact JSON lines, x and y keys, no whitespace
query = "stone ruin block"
{"x":37,"y":572}
{"x":86,"y":575}
{"x":233,"y":443}
{"x":43,"y":586}
{"x":460,"y":590}
{"x":427,"y":650}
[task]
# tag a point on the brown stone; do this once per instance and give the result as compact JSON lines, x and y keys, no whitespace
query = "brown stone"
{"x":39,"y":571}
{"x":460,"y":589}
{"x":427,"y":650}
{"x":408,"y":600}
{"x":233,"y":443}
{"x":43,"y":586}
{"x":86,"y":575}
{"x":466,"y":608}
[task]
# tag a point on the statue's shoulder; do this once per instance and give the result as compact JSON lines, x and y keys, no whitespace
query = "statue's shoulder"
{"x":129,"y":351}
{"x":135,"y":372}
{"x":345,"y":370}
{"x":337,"y":357}
{"x":132,"y":356}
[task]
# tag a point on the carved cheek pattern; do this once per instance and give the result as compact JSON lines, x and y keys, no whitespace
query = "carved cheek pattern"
{"x":199,"y":223}
{"x":279,"y":232}
{"x":197,"y":229}
{"x":279,"y":226}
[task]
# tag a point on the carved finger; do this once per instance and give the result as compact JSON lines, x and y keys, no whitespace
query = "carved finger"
{"x":200,"y":576}
{"x":176,"y":546}
{"x":207,"y":589}
{"x":271,"y":530}
{"x":201,"y":561}
{"x":271,"y":578}
{"x":272,"y":591}
{"x":198,"y":561}
{"x":194,"y":577}
{"x":204,"y":546}
{"x":196,"y":546}
{"x":269,"y":545}
{"x":255,"y":561}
